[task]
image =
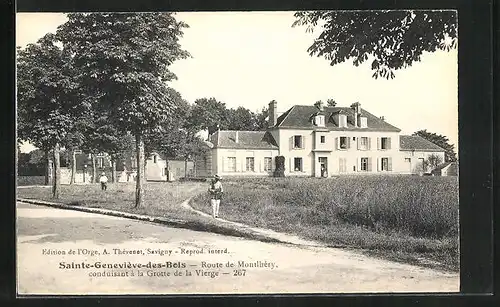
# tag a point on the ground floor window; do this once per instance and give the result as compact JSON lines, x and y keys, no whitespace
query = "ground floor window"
{"x":342,"y":165}
{"x":268,"y":164}
{"x":408,"y":160}
{"x":231,"y":164}
{"x":297,"y":164}
{"x":385,"y":164}
{"x":250,"y":163}
{"x":364,"y":164}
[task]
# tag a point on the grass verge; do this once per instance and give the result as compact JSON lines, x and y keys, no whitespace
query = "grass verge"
{"x":404,"y":218}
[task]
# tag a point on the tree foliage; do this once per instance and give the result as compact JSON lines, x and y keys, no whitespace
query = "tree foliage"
{"x":47,"y":97}
{"x":441,"y":141}
{"x":434,"y":161}
{"x":123,"y":62}
{"x":390,"y":39}
{"x":211,"y":114}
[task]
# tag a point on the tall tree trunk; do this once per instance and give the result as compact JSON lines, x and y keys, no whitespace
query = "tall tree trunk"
{"x":56,"y":180}
{"x":167,"y":170}
{"x":139,"y":145}
{"x":47,"y":167}
{"x":94,"y":169}
{"x":185,"y":167}
{"x":113,"y":170}
{"x":73,"y":167}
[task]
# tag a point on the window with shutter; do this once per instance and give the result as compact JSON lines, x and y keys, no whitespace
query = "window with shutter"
{"x":268,"y":164}
{"x":343,"y":141}
{"x":369,"y":164}
{"x":390,"y":164}
{"x":389,"y":143}
{"x":364,"y":164}
{"x":231,"y":164}
{"x":378,"y":143}
{"x":384,"y":164}
{"x":385,"y":143}
{"x":250,"y":164}
{"x":298,"y":141}
{"x":378,"y":165}
{"x":297,"y":164}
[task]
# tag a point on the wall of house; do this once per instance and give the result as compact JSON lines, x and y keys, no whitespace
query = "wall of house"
{"x":450,"y":170}
{"x":312,"y":150}
{"x":410,"y":162}
{"x":223,"y":167}
{"x":80,"y":177}
{"x":155,"y":170}
{"x":177,"y":168}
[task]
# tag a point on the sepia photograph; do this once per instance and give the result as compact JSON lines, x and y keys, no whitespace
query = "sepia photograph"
{"x":256,"y":152}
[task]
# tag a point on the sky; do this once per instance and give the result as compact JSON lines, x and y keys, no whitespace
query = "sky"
{"x":250,"y":58}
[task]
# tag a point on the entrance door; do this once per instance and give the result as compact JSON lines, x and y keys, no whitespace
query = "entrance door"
{"x":323,"y":166}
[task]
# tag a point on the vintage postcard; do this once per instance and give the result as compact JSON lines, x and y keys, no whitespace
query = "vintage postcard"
{"x":237,"y":152}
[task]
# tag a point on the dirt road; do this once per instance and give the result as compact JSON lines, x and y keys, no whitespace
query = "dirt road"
{"x":70,"y":252}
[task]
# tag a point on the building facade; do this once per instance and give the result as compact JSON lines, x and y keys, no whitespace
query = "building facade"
{"x":321,"y":141}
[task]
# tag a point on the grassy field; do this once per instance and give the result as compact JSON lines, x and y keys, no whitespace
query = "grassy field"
{"x":30,"y":180}
{"x":408,"y":218}
{"x":160,"y":198}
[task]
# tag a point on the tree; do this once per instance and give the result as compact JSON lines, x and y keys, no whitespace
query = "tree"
{"x":209,"y":114}
{"x":441,"y":141}
{"x":261,"y":119}
{"x":392,"y":39}
{"x":47,"y":98}
{"x":241,"y":119}
{"x":181,"y":142}
{"x":123,"y":60}
{"x":434,"y":160}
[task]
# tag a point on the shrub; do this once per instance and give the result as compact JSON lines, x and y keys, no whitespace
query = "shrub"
{"x":279,"y":170}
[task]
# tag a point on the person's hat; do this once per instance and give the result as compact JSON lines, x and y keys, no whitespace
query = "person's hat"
{"x":217,"y":177}
{"x":103,"y":173}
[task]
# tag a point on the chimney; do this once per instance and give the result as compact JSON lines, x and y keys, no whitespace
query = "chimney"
{"x":382,"y":118}
{"x":273,"y":113}
{"x":236,"y":137}
{"x":357,"y":111}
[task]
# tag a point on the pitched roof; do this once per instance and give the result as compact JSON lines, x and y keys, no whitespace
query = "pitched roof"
{"x":418,"y":143}
{"x":300,"y":117}
{"x":246,"y":140}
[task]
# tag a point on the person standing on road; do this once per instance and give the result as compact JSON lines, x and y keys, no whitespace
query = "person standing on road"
{"x":216,"y":192}
{"x":104,"y":181}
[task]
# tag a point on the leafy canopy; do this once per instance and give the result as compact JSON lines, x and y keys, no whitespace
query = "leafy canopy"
{"x":123,"y":62}
{"x":47,"y":94}
{"x":392,"y":39}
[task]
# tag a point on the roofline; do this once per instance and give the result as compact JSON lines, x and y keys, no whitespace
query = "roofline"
{"x":422,"y":149}
{"x":289,"y":111}
{"x":342,"y":129}
{"x":254,"y":148}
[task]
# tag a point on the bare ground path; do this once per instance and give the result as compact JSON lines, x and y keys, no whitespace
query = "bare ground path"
{"x":299,"y":269}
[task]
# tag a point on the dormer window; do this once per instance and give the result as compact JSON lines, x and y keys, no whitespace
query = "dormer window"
{"x":363,"y":122}
{"x":342,"y":121}
{"x":319,"y":120}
